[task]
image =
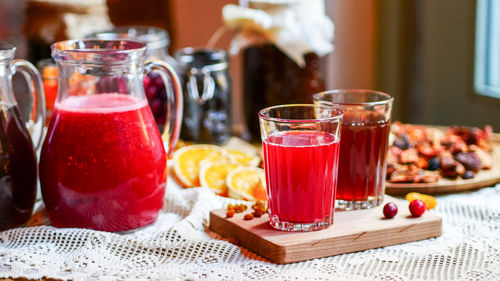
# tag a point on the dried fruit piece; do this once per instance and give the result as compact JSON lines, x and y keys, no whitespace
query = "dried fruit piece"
{"x":430,"y":202}
{"x":468,"y":175}
{"x":248,"y":217}
{"x":390,"y":210}
{"x":230,"y":214}
{"x":470,"y":160}
{"x":417,"y":207}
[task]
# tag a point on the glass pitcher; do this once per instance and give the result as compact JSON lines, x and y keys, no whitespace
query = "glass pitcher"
{"x":18,"y":165}
{"x":103,"y":163}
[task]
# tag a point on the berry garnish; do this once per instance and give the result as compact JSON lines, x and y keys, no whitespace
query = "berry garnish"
{"x":417,"y":207}
{"x":390,"y":210}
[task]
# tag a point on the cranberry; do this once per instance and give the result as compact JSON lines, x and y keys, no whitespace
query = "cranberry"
{"x":417,"y":207}
{"x":390,"y":210}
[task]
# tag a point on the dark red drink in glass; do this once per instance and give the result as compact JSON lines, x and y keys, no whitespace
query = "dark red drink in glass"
{"x":363,"y":147}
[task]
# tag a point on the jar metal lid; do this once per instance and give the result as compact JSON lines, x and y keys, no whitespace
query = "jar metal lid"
{"x":202,"y":58}
{"x":154,"y":37}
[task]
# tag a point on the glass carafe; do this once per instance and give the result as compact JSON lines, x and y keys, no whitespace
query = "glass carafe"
{"x":103,"y":162}
{"x":18,"y":165}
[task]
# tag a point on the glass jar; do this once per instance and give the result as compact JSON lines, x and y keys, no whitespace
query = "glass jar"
{"x":207,"y":95}
{"x":282,"y":42}
{"x":157,"y":41}
{"x":271,"y":78}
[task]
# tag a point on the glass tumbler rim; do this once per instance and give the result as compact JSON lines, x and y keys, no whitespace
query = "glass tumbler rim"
{"x":387,"y":97}
{"x":337,"y":110}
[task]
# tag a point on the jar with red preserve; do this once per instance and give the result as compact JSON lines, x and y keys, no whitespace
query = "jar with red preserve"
{"x":157,"y":41}
{"x":282,"y":44}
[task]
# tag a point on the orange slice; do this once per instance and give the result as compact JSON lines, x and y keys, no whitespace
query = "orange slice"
{"x":187,"y":161}
{"x":244,"y":158}
{"x":247,"y":183}
{"x":430,"y":202}
{"x":213,"y":175}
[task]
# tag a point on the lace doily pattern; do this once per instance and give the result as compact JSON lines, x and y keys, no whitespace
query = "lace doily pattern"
{"x":179,"y":247}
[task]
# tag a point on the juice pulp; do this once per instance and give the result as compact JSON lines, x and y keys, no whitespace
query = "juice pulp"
{"x":363,"y":151}
{"x":301,"y":175}
{"x":18,"y":170}
{"x":103,"y":165}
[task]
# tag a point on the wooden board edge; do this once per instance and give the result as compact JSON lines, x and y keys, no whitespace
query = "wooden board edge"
{"x":217,"y":224}
{"x":290,"y":255}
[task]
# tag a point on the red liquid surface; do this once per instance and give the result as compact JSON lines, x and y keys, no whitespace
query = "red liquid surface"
{"x":363,"y":151}
{"x":301,"y":175}
{"x":18,"y":170}
{"x":103,"y":165}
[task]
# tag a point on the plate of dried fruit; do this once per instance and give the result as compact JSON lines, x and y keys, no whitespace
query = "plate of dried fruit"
{"x":433,"y":159}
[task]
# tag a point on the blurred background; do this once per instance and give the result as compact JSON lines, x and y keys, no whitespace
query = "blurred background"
{"x":440,"y":59}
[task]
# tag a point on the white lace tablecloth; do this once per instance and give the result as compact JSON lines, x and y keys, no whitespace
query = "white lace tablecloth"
{"x":178,"y":247}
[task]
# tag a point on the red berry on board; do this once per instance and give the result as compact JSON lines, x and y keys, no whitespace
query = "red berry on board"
{"x":417,"y":207}
{"x":390,"y":210}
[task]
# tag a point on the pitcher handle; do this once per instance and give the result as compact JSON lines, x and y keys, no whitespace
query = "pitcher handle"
{"x":170,"y":133}
{"x":35,"y":87}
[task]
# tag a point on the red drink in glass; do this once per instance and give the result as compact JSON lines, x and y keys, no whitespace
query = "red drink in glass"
{"x":301,"y":175}
{"x":362,"y":156}
{"x":103,"y":164}
{"x":301,"y":147}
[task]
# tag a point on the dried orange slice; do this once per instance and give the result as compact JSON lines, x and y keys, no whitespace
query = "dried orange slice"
{"x":430,"y":202}
{"x":247,"y":183}
{"x":187,"y":161}
{"x":213,"y":175}
{"x":244,"y":158}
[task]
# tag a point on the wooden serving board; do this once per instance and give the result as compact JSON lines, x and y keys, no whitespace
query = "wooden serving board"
{"x":482,"y":179}
{"x":352,"y":231}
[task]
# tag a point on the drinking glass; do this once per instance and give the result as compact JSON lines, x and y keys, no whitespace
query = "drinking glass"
{"x":363,"y":149}
{"x":301,"y":146}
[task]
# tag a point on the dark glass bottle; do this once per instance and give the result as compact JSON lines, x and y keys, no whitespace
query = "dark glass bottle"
{"x":207,"y":95}
{"x":272,"y":78}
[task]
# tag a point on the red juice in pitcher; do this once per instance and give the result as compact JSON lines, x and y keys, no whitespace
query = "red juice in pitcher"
{"x":301,"y":175}
{"x":363,"y":152}
{"x":104,"y":167}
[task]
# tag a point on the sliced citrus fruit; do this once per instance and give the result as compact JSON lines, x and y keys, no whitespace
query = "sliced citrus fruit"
{"x":244,"y":158}
{"x":213,"y":175}
{"x":187,"y":161}
{"x":247,"y":183}
{"x":430,"y":202}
